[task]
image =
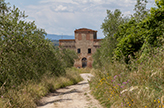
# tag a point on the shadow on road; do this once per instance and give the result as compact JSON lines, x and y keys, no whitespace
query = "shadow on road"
{"x":82,"y":83}
{"x":58,"y":100}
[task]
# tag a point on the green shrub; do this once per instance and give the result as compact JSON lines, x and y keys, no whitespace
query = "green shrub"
{"x":25,"y":54}
{"x":27,"y":94}
{"x":136,"y":85}
{"x":125,"y":37}
{"x":30,"y":66}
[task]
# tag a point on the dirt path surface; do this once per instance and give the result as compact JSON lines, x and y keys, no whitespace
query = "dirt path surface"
{"x":75,"y":96}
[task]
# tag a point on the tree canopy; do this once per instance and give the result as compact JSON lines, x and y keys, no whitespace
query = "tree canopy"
{"x":128,"y":36}
{"x":25,"y":54}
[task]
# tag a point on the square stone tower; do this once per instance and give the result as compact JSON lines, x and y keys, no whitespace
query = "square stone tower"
{"x":85,"y":44}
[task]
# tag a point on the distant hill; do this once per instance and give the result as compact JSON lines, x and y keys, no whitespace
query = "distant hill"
{"x":57,"y":37}
{"x":55,"y":42}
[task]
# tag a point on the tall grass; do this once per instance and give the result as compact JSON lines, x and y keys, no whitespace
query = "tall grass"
{"x":27,"y":94}
{"x":30,"y":66}
{"x":135,"y":85}
{"x":82,"y":70}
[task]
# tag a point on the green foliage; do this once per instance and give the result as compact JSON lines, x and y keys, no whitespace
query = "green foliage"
{"x":25,"y":54}
{"x":28,"y":94}
{"x":97,"y":59}
{"x":134,"y":36}
{"x":135,"y":85}
{"x":30,"y":65}
{"x":111,"y":22}
{"x":160,"y":3}
{"x":67,"y":57}
{"x":108,"y":44}
{"x":130,"y":39}
{"x":3,"y":7}
{"x":135,"y":76}
{"x":140,"y":10}
{"x":126,"y":36}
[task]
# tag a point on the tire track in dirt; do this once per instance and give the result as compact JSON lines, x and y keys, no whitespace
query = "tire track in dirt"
{"x":75,"y":96}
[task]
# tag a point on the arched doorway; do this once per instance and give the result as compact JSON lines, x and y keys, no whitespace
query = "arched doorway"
{"x":84,"y":62}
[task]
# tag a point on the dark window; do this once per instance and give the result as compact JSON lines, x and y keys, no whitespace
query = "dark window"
{"x":78,"y":50}
{"x":95,"y":36}
{"x":89,"y":51}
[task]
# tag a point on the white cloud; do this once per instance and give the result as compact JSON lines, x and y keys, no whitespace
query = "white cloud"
{"x":57,"y":1}
{"x":64,"y":16}
{"x":60,"y":8}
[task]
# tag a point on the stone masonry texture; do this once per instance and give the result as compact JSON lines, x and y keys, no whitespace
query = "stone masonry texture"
{"x":86,"y":41}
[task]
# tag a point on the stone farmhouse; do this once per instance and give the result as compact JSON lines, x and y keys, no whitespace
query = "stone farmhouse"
{"x":85,"y":44}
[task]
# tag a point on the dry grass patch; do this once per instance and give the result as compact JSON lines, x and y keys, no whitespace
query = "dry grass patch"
{"x":28,"y":93}
{"x":136,"y":85}
{"x":83,"y":70}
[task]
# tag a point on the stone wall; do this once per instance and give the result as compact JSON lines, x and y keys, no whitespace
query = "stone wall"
{"x":70,"y":44}
{"x":85,"y":39}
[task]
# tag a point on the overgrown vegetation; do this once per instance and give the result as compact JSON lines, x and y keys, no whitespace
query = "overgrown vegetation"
{"x":126,"y":36}
{"x":30,"y":66}
{"x":27,"y":94}
{"x":129,"y":65}
{"x":82,"y":70}
{"x":135,"y":85}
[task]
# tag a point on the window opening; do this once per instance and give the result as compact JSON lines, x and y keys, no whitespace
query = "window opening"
{"x":78,"y":50}
{"x":89,"y":51}
{"x":95,"y":36}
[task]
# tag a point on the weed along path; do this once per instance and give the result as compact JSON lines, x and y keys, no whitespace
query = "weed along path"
{"x":75,"y":96}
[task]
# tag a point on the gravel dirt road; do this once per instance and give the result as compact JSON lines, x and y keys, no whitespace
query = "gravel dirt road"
{"x":75,"y":96}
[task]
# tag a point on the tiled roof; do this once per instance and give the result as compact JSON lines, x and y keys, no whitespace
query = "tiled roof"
{"x":85,"y":29}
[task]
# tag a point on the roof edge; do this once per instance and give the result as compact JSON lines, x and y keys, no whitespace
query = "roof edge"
{"x":85,"y":29}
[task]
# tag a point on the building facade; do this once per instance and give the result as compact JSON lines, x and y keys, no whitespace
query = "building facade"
{"x":85,"y":44}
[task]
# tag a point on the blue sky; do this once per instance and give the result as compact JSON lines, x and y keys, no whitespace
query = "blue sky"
{"x":62,"y":17}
